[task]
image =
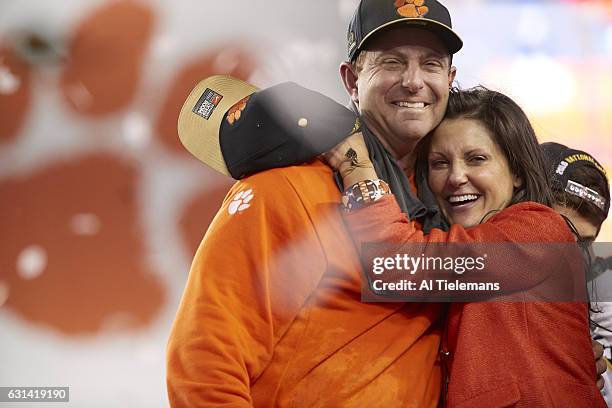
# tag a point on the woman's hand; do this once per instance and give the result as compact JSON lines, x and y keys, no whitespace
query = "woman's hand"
{"x":600,"y":362}
{"x":337,"y":157}
{"x":352,"y":160}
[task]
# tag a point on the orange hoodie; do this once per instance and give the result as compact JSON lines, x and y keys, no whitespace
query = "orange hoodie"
{"x":272,"y":313}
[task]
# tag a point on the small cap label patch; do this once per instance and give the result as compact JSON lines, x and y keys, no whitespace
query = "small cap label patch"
{"x":351,"y":41}
{"x":561,"y":167}
{"x":207,"y":103}
{"x":411,"y":8}
{"x":234,"y":113}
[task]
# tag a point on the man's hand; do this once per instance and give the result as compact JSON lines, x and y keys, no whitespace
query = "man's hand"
{"x":600,"y":362}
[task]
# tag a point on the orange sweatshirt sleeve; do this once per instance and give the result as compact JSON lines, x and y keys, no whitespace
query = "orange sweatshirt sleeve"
{"x":509,"y":235}
{"x":258,"y":263}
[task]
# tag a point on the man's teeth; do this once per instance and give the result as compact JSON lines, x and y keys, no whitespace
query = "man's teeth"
{"x":411,"y":104}
{"x":461,"y":198}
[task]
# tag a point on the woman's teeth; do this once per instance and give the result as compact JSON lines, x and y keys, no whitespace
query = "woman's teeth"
{"x":462,"y":199}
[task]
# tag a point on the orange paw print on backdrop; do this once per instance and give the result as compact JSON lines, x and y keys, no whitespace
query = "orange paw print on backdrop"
{"x":15,"y":99}
{"x":234,"y":113}
{"x":99,"y":75}
{"x":104,"y":69}
{"x":73,"y":249}
{"x":75,"y":257}
{"x":226,"y":60}
{"x":411,"y":8}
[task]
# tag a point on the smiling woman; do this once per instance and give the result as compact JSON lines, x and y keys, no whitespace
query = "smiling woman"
{"x":483,"y":157}
{"x":468,"y":173}
{"x":485,"y":169}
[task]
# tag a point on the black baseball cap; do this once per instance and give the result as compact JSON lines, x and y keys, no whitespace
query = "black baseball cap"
{"x":239,"y":130}
{"x":372,"y":16}
{"x":562,"y":163}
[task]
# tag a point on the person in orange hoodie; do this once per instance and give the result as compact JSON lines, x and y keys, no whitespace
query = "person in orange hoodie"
{"x":485,"y":169}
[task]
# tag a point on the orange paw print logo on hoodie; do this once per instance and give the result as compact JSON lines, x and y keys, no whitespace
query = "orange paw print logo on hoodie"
{"x":411,"y":8}
{"x":235,"y":111}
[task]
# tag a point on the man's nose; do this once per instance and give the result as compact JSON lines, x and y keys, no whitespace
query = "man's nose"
{"x":412,"y":79}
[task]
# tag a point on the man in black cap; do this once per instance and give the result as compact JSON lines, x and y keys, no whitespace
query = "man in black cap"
{"x":400,"y":70}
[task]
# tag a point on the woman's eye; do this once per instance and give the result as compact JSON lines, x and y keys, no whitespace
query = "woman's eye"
{"x":438,"y":164}
{"x":477,"y":159}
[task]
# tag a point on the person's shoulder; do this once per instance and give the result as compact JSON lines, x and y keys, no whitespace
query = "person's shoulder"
{"x":310,"y":178}
{"x":530,"y":206}
{"x":314,"y":169}
{"x":539,"y":217}
{"x":280,"y":190}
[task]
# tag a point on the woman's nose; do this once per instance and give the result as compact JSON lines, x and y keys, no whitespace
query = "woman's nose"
{"x":457,"y":176}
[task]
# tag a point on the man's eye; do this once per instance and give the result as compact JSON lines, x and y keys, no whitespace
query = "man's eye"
{"x":433,"y":64}
{"x":392,"y":62}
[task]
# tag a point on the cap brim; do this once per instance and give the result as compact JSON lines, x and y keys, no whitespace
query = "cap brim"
{"x":450,"y":38}
{"x":199,"y":134}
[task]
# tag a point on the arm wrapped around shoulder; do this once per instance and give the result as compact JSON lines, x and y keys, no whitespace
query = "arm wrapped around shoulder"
{"x":525,"y":252}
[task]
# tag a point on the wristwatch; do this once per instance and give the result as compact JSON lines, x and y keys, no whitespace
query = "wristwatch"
{"x":363,"y":193}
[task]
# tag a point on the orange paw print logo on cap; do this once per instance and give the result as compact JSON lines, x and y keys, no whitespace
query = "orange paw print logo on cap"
{"x":235,"y":111}
{"x":411,"y":8}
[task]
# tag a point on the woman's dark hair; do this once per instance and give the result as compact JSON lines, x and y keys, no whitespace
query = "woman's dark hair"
{"x":511,"y":131}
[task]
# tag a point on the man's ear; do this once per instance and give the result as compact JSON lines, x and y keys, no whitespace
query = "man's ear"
{"x":349,"y":79}
{"x":451,"y":75}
